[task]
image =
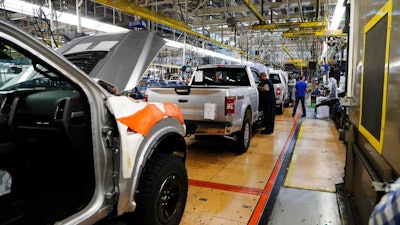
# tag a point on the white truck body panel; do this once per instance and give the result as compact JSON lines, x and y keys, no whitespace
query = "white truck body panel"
{"x":203,"y":104}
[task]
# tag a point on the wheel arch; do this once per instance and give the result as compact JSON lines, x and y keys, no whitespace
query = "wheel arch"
{"x":172,"y":143}
{"x":247,"y":110}
{"x":165,"y":136}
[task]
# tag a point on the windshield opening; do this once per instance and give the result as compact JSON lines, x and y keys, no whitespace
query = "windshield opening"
{"x":19,"y":71}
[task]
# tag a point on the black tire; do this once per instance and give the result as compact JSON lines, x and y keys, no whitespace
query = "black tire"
{"x":244,"y":136}
{"x":286,"y":102}
{"x":202,"y":137}
{"x":280,"y":109}
{"x":162,"y":191}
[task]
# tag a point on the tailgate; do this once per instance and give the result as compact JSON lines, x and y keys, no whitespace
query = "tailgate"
{"x":196,"y":103}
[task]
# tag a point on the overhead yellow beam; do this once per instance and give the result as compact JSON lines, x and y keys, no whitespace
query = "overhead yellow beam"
{"x":143,"y":12}
{"x":318,"y":33}
{"x":313,"y":24}
{"x":330,"y":33}
{"x":301,"y":64}
{"x":287,"y":52}
{"x":132,"y":8}
{"x":254,"y":10}
{"x":299,"y":33}
{"x":296,"y":61}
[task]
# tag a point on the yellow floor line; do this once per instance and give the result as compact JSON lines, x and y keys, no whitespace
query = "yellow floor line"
{"x":292,"y":165}
{"x":292,"y":168}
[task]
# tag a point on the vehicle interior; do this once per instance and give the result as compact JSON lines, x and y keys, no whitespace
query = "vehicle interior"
{"x":46,"y":153}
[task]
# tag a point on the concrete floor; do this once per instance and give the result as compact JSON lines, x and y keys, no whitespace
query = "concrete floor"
{"x":288,"y":177}
{"x":306,"y":207}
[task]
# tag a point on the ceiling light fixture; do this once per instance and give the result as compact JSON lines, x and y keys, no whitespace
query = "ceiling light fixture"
{"x":337,"y":15}
{"x":175,"y":44}
{"x":32,"y":10}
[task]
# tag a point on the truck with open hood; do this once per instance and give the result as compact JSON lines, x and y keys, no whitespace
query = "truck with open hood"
{"x":71,"y":152}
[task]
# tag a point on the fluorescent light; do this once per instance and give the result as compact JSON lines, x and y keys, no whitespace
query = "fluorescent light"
{"x":337,"y":15}
{"x":175,"y":44}
{"x":68,"y":18}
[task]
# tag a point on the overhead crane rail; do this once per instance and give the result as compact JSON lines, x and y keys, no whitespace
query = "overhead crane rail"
{"x":296,"y":62}
{"x":287,"y":52}
{"x":313,"y":24}
{"x":254,"y":10}
{"x":317,"y":33}
{"x":132,"y":8}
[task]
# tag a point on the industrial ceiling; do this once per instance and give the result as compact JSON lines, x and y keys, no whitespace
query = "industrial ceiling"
{"x":271,"y":31}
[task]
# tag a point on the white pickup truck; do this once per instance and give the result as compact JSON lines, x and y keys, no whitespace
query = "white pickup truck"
{"x":219,"y":100}
{"x":280,"y":80}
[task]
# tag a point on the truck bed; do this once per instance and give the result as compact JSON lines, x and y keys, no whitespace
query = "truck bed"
{"x":193,"y":105}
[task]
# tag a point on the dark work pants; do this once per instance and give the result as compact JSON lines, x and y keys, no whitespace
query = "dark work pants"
{"x":269,"y":117}
{"x":299,"y":99}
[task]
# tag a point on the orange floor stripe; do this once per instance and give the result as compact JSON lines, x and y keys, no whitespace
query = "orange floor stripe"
{"x":271,"y":181}
{"x":226,"y":187}
{"x":263,"y":193}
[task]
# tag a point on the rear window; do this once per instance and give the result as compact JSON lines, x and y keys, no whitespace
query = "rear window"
{"x":275,"y":78}
{"x":221,"y":76}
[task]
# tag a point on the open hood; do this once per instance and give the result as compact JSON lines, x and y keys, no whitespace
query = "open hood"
{"x":118,"y":58}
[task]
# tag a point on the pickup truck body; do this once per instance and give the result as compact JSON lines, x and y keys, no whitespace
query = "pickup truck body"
{"x":281,"y":88}
{"x":219,"y":100}
{"x":70,"y":152}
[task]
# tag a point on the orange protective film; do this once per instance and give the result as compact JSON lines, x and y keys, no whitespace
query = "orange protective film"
{"x":173,"y":111}
{"x":142,"y":121}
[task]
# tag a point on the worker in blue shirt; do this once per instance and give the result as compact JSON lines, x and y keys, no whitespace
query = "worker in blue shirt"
{"x":300,"y":93}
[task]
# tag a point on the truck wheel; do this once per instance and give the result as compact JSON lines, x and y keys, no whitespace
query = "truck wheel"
{"x":244,"y":136}
{"x":287,"y":102}
{"x":162,"y":191}
{"x":280,"y":108}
